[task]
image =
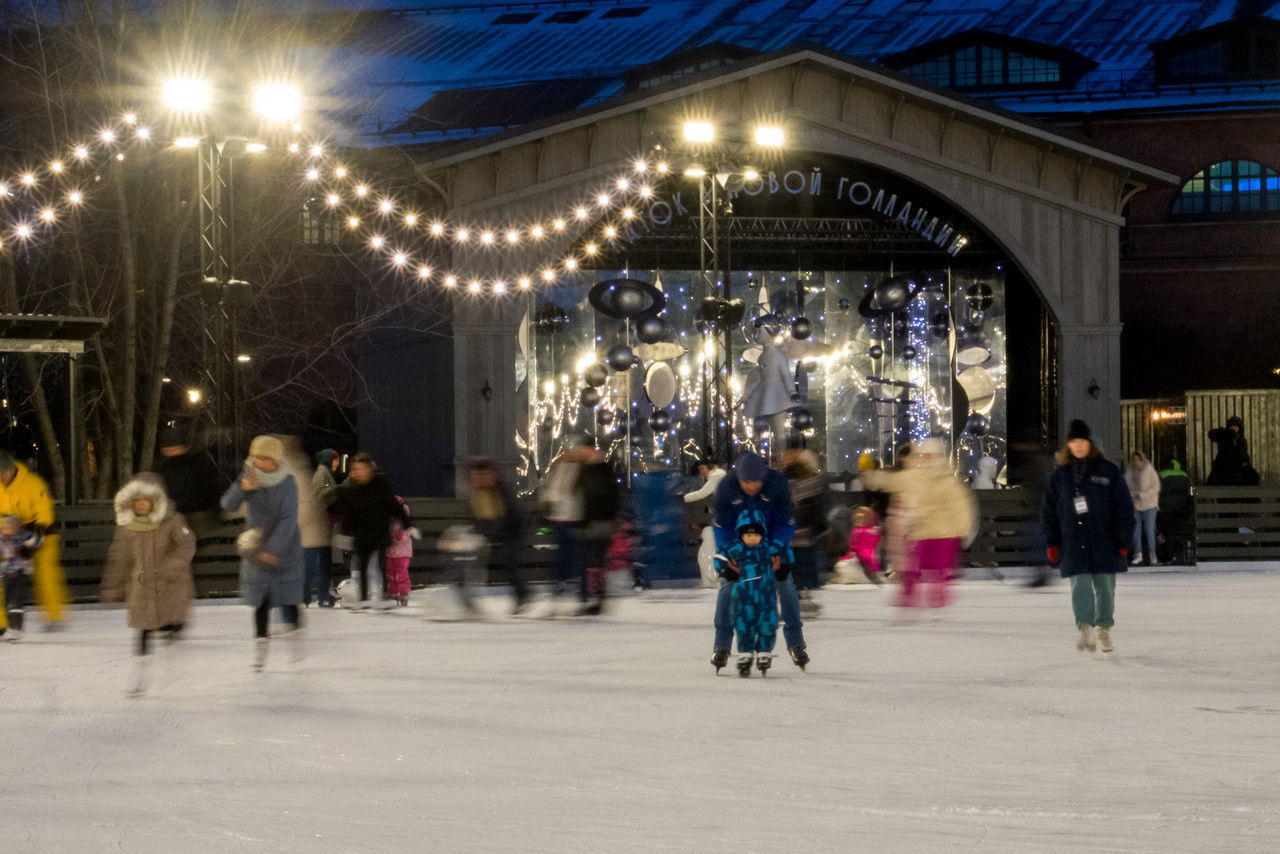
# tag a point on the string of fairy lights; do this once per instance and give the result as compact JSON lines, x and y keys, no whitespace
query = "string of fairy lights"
{"x":34,"y":201}
{"x":392,"y":227}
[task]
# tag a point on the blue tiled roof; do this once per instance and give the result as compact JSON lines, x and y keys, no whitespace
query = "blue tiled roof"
{"x":410,"y":53}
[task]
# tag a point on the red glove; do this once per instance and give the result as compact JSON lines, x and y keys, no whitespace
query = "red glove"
{"x":1124,"y":552}
{"x":1053,"y":555}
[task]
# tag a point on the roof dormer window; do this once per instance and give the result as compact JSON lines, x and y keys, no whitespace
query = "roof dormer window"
{"x":1240,"y":49}
{"x":977,"y":60}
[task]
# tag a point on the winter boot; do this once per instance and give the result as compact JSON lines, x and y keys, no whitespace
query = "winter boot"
{"x":1104,"y":639}
{"x":744,"y":664}
{"x":763,"y":662}
{"x":260,"y":653}
{"x":140,"y":679}
{"x":799,"y":656}
{"x":1086,"y":642}
{"x":719,"y":658}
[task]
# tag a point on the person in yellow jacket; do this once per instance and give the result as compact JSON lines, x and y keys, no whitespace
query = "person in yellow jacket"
{"x":24,"y":494}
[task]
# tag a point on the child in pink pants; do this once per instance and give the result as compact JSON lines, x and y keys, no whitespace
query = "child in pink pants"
{"x":399,"y":554}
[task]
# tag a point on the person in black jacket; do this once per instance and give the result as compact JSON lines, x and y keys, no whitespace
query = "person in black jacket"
{"x":1087,"y":515}
{"x":366,"y":505}
{"x":601,"y":501}
{"x":191,"y":481}
{"x":1231,"y":466}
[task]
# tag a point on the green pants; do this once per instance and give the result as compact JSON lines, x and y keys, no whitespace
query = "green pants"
{"x":1093,"y":598}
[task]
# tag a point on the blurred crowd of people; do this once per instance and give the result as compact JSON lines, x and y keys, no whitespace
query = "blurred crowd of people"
{"x":767,"y":537}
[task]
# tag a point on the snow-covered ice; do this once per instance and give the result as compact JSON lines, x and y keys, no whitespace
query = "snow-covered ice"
{"x":981,"y":727}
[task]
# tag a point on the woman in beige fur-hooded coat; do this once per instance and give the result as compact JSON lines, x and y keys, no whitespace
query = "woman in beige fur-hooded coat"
{"x":149,"y":562}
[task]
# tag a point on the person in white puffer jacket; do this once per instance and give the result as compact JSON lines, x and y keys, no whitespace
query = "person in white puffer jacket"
{"x":1144,"y":485}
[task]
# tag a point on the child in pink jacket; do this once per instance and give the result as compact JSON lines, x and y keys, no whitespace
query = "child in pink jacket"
{"x":864,"y":541}
{"x":399,"y":554}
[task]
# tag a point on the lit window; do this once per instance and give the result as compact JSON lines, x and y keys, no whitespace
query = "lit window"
{"x":319,"y":227}
{"x":1230,"y":189}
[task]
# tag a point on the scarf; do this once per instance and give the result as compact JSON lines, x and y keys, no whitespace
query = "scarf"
{"x":269,"y":479}
{"x":142,"y":523}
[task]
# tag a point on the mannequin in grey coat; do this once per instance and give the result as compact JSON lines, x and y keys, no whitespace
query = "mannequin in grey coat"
{"x":770,"y":396}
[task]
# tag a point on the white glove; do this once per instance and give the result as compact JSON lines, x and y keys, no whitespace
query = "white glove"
{"x":415,"y":533}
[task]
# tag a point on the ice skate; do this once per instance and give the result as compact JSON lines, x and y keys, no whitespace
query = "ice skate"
{"x":12,"y":635}
{"x":1136,"y":559}
{"x":744,"y":664}
{"x":719,"y":658}
{"x":1104,"y":639}
{"x":764,"y":661}
{"x":799,"y":656}
{"x":259,"y":654}
{"x":140,"y":679}
{"x":1086,"y":642}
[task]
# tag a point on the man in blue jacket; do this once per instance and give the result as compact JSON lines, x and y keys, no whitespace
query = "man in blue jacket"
{"x":753,"y":486}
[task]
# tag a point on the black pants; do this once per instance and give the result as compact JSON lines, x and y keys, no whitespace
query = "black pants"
{"x":263,"y":611}
{"x":144,"y":636}
{"x":17,"y":590}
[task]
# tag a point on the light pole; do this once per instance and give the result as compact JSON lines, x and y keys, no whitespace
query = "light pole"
{"x":719,"y":178}
{"x":191,"y":100}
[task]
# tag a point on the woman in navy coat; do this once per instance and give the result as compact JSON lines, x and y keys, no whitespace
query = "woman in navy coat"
{"x":1087,"y":515}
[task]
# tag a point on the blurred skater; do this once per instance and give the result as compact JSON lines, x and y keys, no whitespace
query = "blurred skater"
{"x":17,"y":545}
{"x":24,"y":494}
{"x":864,"y":549}
{"x":1087,"y":516}
{"x":747,"y":564}
{"x":699,"y":504}
{"x":497,"y":518}
{"x":938,"y":517}
{"x":399,"y":555}
{"x":1176,"y":518}
{"x":315,"y":494}
{"x":366,"y":507}
{"x":808,"y":545}
{"x":271,"y":549}
{"x":149,"y":566}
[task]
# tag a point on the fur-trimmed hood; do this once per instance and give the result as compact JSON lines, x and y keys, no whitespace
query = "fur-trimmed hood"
{"x":144,"y":485}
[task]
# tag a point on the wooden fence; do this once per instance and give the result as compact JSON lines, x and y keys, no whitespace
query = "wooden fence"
{"x":1232,"y":524}
{"x":1237,"y":523}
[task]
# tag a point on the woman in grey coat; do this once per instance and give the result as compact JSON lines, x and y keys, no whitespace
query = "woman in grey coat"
{"x":271,"y":566}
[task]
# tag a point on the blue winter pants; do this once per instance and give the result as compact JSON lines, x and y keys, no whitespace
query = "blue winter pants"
{"x":1145,"y":520}
{"x":315,"y":584}
{"x":788,"y":601}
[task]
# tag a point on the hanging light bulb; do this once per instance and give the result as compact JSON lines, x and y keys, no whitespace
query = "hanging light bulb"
{"x":377,"y":241}
{"x":462,"y":235}
{"x":424,"y":272}
{"x":410,"y":220}
{"x":513,"y":236}
{"x":386,"y":206}
{"x":362,"y":190}
{"x":536,"y":232}
{"x":353,"y":222}
{"x":399,"y":259}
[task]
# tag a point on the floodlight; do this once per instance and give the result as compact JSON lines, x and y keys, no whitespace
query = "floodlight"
{"x":277,"y":102}
{"x":770,"y":136}
{"x":186,"y":95}
{"x":699,"y":132}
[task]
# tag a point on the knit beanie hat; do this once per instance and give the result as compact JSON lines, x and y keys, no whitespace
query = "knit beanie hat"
{"x":751,"y":466}
{"x":267,"y":446}
{"x":1078,"y":430}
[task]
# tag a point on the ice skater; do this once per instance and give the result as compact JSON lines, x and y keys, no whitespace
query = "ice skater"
{"x":864,"y":546}
{"x":753,"y":486}
{"x":938,"y":517}
{"x":17,"y":544}
{"x":748,"y":565}
{"x":271,"y":566}
{"x":1087,"y":516}
{"x":399,"y":555}
{"x":149,"y":566}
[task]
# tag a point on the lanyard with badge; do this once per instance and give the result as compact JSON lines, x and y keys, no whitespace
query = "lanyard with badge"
{"x":1080,"y":502}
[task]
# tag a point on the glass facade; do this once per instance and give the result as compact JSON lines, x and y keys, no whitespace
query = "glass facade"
{"x":984,"y":66}
{"x":866,"y":385}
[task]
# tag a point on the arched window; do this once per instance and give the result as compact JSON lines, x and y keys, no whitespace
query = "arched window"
{"x":1230,"y":189}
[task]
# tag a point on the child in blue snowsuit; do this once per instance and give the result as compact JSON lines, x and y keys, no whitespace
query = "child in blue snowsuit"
{"x":748,"y":563}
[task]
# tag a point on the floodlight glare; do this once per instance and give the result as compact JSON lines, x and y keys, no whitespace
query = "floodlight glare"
{"x":699,"y":132}
{"x":770,"y":136}
{"x":186,"y":142}
{"x":695,"y":172}
{"x":277,"y":102}
{"x":186,"y":95}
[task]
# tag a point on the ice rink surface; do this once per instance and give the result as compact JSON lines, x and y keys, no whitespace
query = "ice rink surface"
{"x":980,"y":727}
